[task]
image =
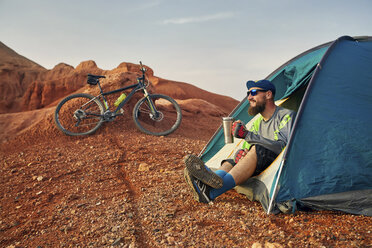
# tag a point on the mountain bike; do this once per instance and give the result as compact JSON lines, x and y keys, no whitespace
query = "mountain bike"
{"x":83,"y":114}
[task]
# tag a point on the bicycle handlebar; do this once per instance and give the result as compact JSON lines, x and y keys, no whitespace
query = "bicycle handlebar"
{"x":143,"y":69}
{"x":145,"y":82}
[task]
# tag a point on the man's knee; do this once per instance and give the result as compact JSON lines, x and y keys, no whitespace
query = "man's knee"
{"x":251,"y":153}
{"x":228,"y":162}
{"x":252,"y":150}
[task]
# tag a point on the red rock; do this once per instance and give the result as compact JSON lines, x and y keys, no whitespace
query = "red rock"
{"x":26,"y":85}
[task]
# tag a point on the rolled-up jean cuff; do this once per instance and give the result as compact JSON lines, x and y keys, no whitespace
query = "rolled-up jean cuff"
{"x":229,"y":160}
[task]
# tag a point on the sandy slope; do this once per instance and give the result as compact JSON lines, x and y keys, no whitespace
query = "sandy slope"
{"x":14,"y":124}
{"x":124,"y":188}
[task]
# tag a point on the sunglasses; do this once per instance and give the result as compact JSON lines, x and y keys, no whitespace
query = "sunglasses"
{"x":254,"y":92}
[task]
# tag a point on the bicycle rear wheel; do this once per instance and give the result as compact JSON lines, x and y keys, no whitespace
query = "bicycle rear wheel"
{"x":79,"y":114}
{"x":164,"y":120}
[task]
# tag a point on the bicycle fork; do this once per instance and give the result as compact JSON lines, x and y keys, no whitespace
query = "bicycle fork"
{"x":154,"y":112}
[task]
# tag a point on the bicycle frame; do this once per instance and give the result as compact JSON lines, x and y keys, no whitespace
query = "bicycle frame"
{"x":135,"y":87}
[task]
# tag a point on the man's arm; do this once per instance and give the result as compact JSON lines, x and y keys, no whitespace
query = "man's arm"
{"x":273,"y":145}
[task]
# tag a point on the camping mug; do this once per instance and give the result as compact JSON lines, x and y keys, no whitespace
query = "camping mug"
{"x":227,"y":125}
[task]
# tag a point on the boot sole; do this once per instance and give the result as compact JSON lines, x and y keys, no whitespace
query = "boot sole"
{"x":196,"y":168}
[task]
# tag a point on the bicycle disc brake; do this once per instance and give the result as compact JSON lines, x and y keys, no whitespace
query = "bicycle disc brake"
{"x":158,"y":116}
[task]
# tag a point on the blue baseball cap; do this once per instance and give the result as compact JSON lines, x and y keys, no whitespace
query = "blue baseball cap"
{"x":262,"y":84}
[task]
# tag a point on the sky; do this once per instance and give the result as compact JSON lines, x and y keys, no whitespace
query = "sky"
{"x":216,"y":45}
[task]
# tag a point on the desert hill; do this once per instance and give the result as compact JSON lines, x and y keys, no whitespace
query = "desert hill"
{"x":16,"y":75}
{"x":26,"y":85}
{"x":11,"y":58}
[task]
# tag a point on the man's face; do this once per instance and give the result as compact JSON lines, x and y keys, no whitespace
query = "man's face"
{"x":257,"y":103}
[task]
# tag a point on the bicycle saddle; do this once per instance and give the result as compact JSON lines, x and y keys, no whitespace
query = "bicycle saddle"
{"x":95,"y":76}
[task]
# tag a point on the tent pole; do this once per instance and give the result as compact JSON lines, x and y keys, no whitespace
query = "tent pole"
{"x":273,"y":192}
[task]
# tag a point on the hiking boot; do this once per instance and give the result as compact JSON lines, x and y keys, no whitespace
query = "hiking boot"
{"x":200,"y":190}
{"x":196,"y":167}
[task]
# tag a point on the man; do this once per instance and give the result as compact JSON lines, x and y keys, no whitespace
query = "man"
{"x":264,"y":141}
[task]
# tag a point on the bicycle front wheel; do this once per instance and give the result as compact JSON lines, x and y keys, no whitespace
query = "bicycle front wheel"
{"x":157,"y":115}
{"x":79,"y":114}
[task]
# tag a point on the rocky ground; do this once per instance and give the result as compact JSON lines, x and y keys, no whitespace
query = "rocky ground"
{"x":122,"y":188}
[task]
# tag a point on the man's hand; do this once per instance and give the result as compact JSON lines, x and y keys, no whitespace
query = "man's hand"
{"x":238,"y":130}
{"x":240,"y":154}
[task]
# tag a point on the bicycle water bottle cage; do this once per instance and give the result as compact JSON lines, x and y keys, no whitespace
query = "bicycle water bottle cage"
{"x":93,"y":79}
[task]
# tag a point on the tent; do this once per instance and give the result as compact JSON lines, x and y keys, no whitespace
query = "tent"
{"x":327,"y":163}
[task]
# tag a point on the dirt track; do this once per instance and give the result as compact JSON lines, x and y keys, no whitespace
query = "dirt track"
{"x":122,"y":188}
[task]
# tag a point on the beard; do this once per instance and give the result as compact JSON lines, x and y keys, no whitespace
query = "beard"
{"x":259,"y":108}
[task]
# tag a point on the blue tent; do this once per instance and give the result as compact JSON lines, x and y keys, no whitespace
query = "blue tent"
{"x":327,"y":163}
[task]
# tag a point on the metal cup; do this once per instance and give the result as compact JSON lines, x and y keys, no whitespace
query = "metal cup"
{"x":227,"y":125}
